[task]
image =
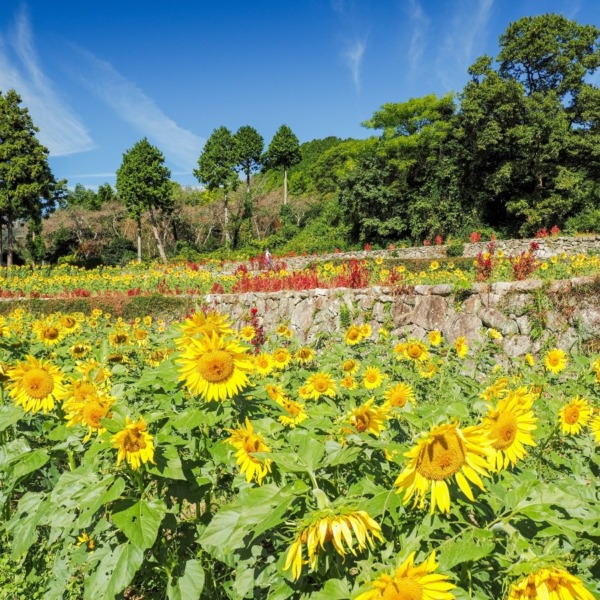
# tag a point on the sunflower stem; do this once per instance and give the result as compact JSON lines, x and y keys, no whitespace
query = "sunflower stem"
{"x":545,"y":444}
{"x":71,"y":457}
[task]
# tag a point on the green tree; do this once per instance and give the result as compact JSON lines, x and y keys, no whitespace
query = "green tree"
{"x":283,"y":152}
{"x":106,"y":194}
{"x":216,"y":168}
{"x":549,"y":53}
{"x":83,"y":197}
{"x":249,"y":146}
{"x":28,"y":189}
{"x":143,"y":186}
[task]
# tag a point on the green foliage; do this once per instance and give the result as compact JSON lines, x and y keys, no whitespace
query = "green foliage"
{"x":86,"y":198}
{"x":118,"y":252}
{"x":455,"y":248}
{"x":216,"y":165}
{"x":284,"y":150}
{"x":249,"y":147}
{"x":28,"y":189}
{"x":143,"y":180}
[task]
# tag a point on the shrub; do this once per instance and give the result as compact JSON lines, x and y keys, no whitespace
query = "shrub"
{"x":455,"y":248}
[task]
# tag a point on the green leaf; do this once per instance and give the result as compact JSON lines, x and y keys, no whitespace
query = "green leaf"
{"x":334,"y":589}
{"x":106,"y":491}
{"x":9,"y":415}
{"x":30,"y":511}
{"x":114,"y":573}
{"x":140,"y":522}
{"x":190,"y":585}
{"x":473,"y":546}
{"x":28,"y":463}
{"x":168,"y":463}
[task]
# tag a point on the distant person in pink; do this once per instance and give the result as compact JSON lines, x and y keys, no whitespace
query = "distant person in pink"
{"x":269,"y":259}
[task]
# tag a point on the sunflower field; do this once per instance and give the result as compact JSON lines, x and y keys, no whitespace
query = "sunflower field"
{"x":212,"y":459}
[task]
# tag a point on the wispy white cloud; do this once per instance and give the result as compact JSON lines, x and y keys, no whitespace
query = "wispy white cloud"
{"x":465,"y":37}
{"x":420,"y":24}
{"x":354,"y":56}
{"x":131,"y":104}
{"x":61,"y":131}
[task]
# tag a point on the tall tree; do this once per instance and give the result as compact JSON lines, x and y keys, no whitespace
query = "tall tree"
{"x":27,"y":187}
{"x":143,"y":185}
{"x":216,"y":168}
{"x":283,"y":152}
{"x":250,"y":145}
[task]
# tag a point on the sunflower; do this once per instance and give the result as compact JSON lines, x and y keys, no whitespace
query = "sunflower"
{"x":399,"y":394}
{"x":275,"y":392}
{"x":263,"y":364}
{"x":214,"y":368}
{"x":50,"y":334}
{"x":574,"y":416}
{"x":93,"y":370}
{"x":369,"y":418}
{"x":416,"y":350}
{"x":529,"y":359}
{"x":496,"y":391}
{"x":510,"y":425}
{"x":141,"y":336}
{"x":294,"y":412}
{"x":320,"y":384}
{"x":427,"y":370}
{"x":348,"y":382}
{"x":372,"y":378}
{"x":84,"y":538}
{"x":337,"y":528}
{"x":304,"y":355}
{"x":69,"y":323}
{"x":435,"y":337}
{"x":246,"y":442}
{"x":353,"y":335}
{"x":444,"y":452}
{"x":494,"y":334}
{"x":284,"y":331}
{"x":595,"y":427}
{"x":596,"y":369}
{"x":247,"y":333}
{"x":35,"y":385}
{"x":119,"y":337}
{"x":135,"y":444}
{"x":399,"y":350}
{"x":86,"y":406}
{"x":350,"y":366}
{"x":461,"y":347}
{"x":79,"y":349}
{"x":556,"y":360}
{"x":366,"y":330}
{"x":200,"y":325}
{"x":549,"y":584}
{"x":281,"y":358}
{"x":156,"y":357}
{"x":410,"y":582}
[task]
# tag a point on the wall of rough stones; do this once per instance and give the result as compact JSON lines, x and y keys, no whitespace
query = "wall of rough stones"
{"x":527,"y":313}
{"x":549,"y":246}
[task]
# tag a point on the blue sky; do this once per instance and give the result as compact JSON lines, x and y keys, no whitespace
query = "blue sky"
{"x":99,"y":76}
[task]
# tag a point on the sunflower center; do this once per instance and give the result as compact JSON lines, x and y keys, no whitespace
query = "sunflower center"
{"x":371,"y":377}
{"x":120,"y":338}
{"x":69,"y":322}
{"x":134,"y":441}
{"x":398,"y":398}
{"x":414,"y":351}
{"x":571,"y":415}
{"x":140,"y":334}
{"x":348,"y":366}
{"x":252,"y":444}
{"x":362,"y":422}
{"x":51,"y":333}
{"x":504,"y":431}
{"x":92,"y":414}
{"x":403,"y":589}
{"x":321,"y":384}
{"x":37,"y":383}
{"x":216,"y":366}
{"x":442,"y":457}
{"x":292,"y":409}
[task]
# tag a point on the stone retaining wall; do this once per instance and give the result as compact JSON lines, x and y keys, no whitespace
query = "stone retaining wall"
{"x":549,"y":246}
{"x":527,"y":313}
